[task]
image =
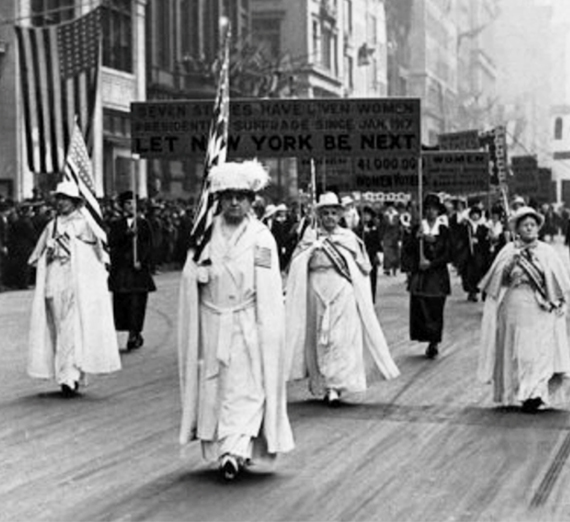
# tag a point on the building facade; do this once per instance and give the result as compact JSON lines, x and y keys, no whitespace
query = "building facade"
{"x":122,"y":80}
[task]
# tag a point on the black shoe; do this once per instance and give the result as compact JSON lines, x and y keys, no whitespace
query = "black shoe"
{"x":229,"y":467}
{"x":332,"y":398}
{"x":432,"y":351}
{"x":531,"y":405}
{"x":68,"y":392}
{"x":472,"y":297}
{"x":139,"y":341}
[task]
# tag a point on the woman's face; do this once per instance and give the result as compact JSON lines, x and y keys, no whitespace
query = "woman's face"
{"x":329,"y":217}
{"x":64,"y":205}
{"x":432,"y":213}
{"x":527,"y":229}
{"x":236,"y":205}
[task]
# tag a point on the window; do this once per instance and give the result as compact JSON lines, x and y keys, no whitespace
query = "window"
{"x":163,"y":33}
{"x":349,"y":72}
{"x":558,"y":128}
{"x":327,"y":49}
{"x":117,"y":35}
{"x":48,"y":12}
{"x":316,"y":51}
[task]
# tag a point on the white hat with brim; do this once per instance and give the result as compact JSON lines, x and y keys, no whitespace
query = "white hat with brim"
{"x":68,"y":189}
{"x":347,"y":200}
{"x":328,"y":199}
{"x":281,"y":208}
{"x":269,"y":211}
{"x":523,"y":212}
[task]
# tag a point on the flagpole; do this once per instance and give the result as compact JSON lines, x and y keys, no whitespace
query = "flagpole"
{"x":135,"y":225}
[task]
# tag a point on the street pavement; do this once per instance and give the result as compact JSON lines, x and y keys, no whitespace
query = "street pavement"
{"x":427,"y":446}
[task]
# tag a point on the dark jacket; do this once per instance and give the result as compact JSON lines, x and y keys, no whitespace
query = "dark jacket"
{"x":123,"y":277}
{"x":433,"y":281}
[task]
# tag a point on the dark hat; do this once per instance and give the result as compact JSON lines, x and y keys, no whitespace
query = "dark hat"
{"x":433,"y":200}
{"x":125,"y":196}
{"x":476,"y":209}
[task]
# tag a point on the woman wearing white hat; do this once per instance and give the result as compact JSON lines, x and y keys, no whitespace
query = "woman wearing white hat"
{"x":331,"y":325}
{"x":524,"y":346}
{"x":72,"y":331}
{"x":230,"y":332}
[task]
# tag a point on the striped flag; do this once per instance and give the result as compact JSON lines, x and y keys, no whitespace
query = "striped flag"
{"x":215,"y":155}
{"x":59,"y":67}
{"x":79,"y":170}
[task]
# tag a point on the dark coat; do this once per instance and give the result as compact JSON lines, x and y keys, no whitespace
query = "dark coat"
{"x":123,"y":276}
{"x":433,"y":281}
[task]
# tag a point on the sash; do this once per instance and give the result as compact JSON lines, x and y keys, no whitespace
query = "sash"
{"x":336,"y":258}
{"x":534,"y":273}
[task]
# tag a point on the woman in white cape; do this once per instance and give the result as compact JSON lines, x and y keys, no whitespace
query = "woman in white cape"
{"x":333,"y":334}
{"x":524,"y":345}
{"x":72,"y":331}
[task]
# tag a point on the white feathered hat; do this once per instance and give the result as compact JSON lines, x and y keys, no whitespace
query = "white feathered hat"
{"x":248,"y":176}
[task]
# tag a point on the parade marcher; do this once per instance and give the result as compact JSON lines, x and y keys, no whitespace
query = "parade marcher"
{"x":391,"y":233}
{"x":231,"y":332}
{"x":497,"y":236}
{"x":130,"y":278}
{"x":72,"y":331}
{"x":331,"y":326}
{"x":282,"y":229}
{"x":368,"y":232}
{"x":477,"y":254}
{"x":350,"y":218}
{"x":524,"y":346}
{"x":427,"y":252}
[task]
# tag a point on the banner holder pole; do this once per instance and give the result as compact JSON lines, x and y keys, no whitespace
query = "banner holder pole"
{"x":134,"y":163}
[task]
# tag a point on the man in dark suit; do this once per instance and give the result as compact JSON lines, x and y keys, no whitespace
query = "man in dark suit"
{"x":130,"y":279}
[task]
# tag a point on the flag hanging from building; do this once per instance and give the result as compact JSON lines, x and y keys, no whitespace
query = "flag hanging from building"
{"x":79,"y":170}
{"x":59,"y":67}
{"x":215,"y":154}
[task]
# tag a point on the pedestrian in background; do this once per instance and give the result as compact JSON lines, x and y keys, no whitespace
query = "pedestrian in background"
{"x":477,"y":253}
{"x":71,"y":331}
{"x":369,"y":233}
{"x":391,"y":234}
{"x":427,"y":251}
{"x":524,"y":344}
{"x":331,"y":325}
{"x":230,"y":332}
{"x":130,"y":278}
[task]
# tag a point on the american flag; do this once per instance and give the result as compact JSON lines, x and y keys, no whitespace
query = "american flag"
{"x":59,"y":67}
{"x":79,"y":170}
{"x":215,"y":155}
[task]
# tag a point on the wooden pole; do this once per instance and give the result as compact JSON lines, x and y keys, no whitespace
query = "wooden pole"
{"x":135,"y":225}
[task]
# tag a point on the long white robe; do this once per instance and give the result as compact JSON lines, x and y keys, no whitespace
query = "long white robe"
{"x":231,"y":351}
{"x":524,"y":349}
{"x":90,"y":337}
{"x":332,"y":329}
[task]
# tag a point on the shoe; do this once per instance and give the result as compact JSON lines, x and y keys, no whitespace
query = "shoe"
{"x":472,"y":297}
{"x":68,"y":392}
{"x":432,"y":351}
{"x":531,"y":405}
{"x":332,"y":398}
{"x":229,"y":467}
{"x":135,"y":341}
{"x":139,"y":341}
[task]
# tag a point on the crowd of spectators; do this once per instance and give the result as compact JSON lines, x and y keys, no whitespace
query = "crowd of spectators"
{"x":171,"y":222}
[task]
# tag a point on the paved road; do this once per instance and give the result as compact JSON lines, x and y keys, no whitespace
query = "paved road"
{"x":426,"y":446}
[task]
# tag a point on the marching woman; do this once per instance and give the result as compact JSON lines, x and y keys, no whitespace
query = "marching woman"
{"x":331,"y":326}
{"x":72,"y":332}
{"x":426,"y":252}
{"x":230,"y":332}
{"x":524,"y":346}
